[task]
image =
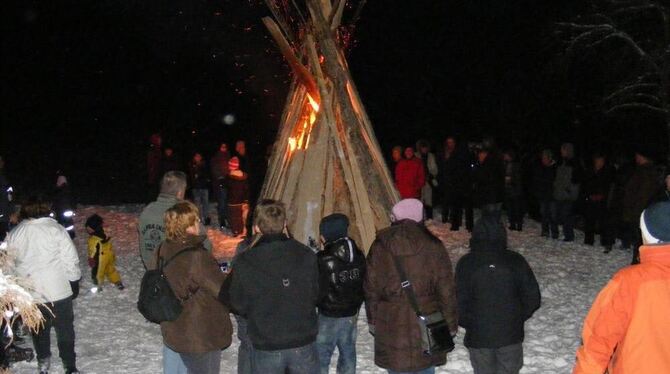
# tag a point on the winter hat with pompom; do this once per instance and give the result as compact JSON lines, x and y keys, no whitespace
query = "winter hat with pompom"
{"x":408,"y":209}
{"x":655,"y":223}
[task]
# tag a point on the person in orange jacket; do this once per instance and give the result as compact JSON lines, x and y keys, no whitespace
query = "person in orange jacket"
{"x":628,"y":327}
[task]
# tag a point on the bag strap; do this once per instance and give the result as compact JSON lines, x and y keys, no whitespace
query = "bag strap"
{"x":406,"y":285}
{"x":165,"y":263}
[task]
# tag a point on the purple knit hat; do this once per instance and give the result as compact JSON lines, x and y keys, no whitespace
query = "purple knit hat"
{"x":408,"y":209}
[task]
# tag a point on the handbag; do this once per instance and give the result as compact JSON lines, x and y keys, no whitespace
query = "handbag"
{"x":435,"y":335}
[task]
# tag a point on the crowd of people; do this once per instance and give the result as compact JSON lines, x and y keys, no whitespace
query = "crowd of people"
{"x":294,"y":306}
{"x":609,"y":194}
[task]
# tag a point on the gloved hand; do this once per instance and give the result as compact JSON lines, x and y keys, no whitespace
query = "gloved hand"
{"x":75,"y":288}
{"x":92,"y":262}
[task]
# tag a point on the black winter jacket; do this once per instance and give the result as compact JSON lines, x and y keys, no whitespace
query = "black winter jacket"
{"x":543,"y":182}
{"x":489,"y":181}
{"x":497,"y":292}
{"x":341,"y":274}
{"x":275,"y":285}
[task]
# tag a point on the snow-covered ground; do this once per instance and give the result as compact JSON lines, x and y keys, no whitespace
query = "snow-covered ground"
{"x":112,"y":337}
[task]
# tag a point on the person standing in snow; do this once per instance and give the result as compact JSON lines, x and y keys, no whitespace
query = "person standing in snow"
{"x":409,"y":175}
{"x":597,"y":186}
{"x":396,"y":156}
{"x":341,"y":274}
{"x":203,"y":328}
{"x":151,"y":225}
{"x":6,"y":205}
{"x":391,"y":318}
{"x":101,"y":256}
{"x":627,"y":328}
{"x":170,"y":161}
{"x":497,"y":292}
{"x":47,"y":257}
{"x":197,"y":173}
{"x":639,"y":191}
{"x":513,"y":190}
{"x":566,"y":190}
{"x":430,"y":172}
{"x":275,"y":285}
{"x":63,"y":207}
{"x":543,"y":191}
{"x":455,"y":185}
{"x":219,"y":171}
{"x":489,"y":179}
{"x":237,"y":184}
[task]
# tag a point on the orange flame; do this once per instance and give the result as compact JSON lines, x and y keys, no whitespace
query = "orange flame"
{"x":301,"y":138}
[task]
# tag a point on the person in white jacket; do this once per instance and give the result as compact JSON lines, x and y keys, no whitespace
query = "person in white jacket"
{"x":46,"y":256}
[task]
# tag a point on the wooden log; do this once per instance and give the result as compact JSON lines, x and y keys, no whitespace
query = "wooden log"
{"x":335,"y":18}
{"x":301,"y":72}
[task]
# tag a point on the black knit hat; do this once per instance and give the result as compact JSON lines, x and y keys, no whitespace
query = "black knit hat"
{"x":655,"y":223}
{"x":334,"y":226}
{"x":94,"y":222}
{"x":489,"y":233}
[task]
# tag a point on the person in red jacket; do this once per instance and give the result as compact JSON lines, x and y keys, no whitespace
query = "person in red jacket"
{"x":627,"y":328}
{"x":409,"y":175}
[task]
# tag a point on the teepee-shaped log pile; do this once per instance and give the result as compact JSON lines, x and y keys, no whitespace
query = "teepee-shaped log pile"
{"x":326,"y":158}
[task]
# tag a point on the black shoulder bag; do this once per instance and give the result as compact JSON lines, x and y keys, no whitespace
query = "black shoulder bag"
{"x":435,"y":334}
{"x":157,"y":302}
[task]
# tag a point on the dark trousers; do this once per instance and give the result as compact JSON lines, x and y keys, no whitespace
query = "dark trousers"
{"x":63,"y":322}
{"x":514,"y":205}
{"x":548,"y":213}
{"x":246,"y":350}
{"x":632,"y":236}
{"x":566,"y":218}
{"x":504,"y":360}
{"x":302,"y":360}
{"x":596,"y":220}
{"x":452,"y":211}
{"x":222,"y":206}
{"x":202,"y":363}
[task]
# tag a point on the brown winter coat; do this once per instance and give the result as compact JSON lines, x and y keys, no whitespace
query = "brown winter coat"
{"x":204,"y":323}
{"x":638,"y":192}
{"x":427,"y":264}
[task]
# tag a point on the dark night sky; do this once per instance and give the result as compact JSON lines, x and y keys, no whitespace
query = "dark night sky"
{"x":85,"y":82}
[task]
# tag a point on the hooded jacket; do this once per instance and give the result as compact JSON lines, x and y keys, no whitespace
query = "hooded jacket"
{"x":497,"y":290}
{"x":275,"y":286}
{"x":410,"y":177}
{"x":46,"y":256}
{"x":627,"y":328}
{"x":341,"y":274}
{"x":428,"y":267}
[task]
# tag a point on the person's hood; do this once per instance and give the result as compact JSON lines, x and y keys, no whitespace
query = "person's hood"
{"x":488,"y":234}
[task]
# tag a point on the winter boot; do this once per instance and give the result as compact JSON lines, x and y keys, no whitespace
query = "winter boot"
{"x":71,"y":371}
{"x":43,"y":365}
{"x":608,"y":249}
{"x":120,"y":286}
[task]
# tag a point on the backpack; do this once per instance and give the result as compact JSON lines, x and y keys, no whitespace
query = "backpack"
{"x":157,"y":302}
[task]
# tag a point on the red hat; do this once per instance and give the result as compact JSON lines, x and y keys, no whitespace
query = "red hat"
{"x":234,"y":163}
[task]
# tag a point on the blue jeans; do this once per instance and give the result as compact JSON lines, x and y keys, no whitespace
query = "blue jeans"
{"x":548,"y":213}
{"x":246,"y":350}
{"x":201,"y":200}
{"x":430,"y":370}
{"x":172,"y":362}
{"x":340,"y":332}
{"x":301,"y":360}
{"x":566,"y":218}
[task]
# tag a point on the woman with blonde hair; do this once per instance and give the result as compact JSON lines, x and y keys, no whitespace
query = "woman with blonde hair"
{"x":203,"y":328}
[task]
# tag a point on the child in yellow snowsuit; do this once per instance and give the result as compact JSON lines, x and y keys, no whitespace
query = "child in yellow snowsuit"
{"x":101,"y":257}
